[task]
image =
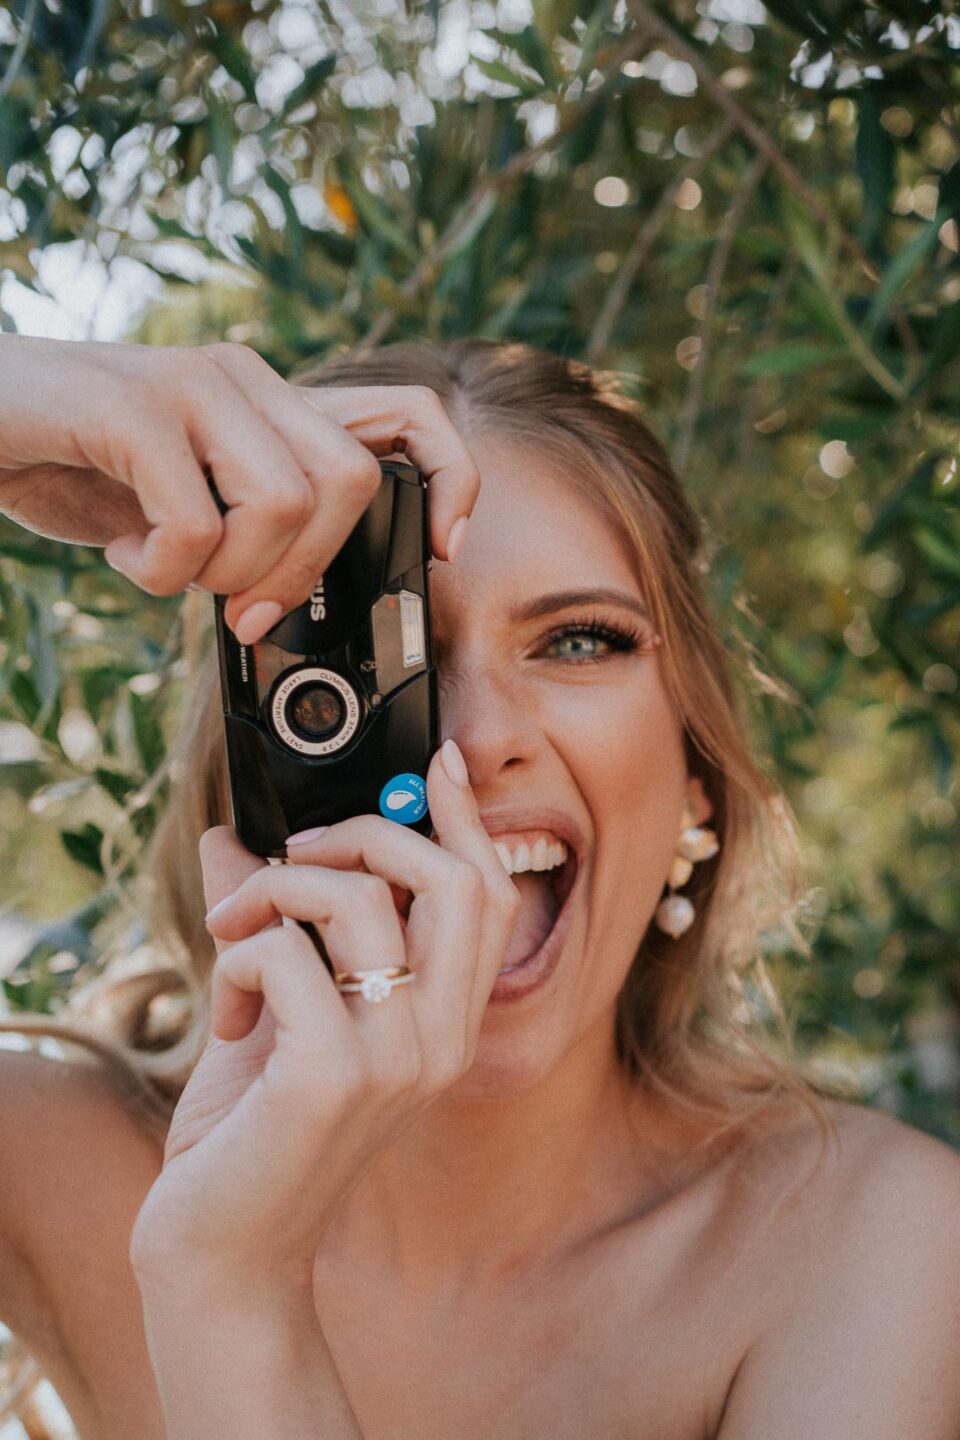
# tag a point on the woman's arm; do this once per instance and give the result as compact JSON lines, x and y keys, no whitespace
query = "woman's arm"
{"x":298,"y":1089}
{"x":110,"y":444}
{"x":867,"y":1346}
{"x":244,"y":1370}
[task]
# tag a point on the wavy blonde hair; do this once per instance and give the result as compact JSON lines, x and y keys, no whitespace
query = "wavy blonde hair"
{"x":688,"y":1025}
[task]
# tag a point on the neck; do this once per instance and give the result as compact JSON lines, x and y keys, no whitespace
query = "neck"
{"x":481,"y":1188}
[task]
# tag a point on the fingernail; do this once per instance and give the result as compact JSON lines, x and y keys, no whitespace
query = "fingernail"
{"x":257,"y":620}
{"x":212,"y":914}
{"x":115,"y":561}
{"x":302,"y":836}
{"x":455,"y":539}
{"x":453,"y":762}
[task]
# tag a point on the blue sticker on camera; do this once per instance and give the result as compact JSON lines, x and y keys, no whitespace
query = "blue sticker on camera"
{"x":404,"y":798}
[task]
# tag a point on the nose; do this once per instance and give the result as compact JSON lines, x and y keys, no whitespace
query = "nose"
{"x":488,"y":718}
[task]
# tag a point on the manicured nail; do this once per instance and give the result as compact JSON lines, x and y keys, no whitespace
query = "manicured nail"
{"x":117,"y":558}
{"x":453,"y":762}
{"x":455,"y":539}
{"x":212,"y":914}
{"x":302,"y":836}
{"x":255,"y":622}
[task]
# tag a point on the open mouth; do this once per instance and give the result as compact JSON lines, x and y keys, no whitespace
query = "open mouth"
{"x":543,"y":895}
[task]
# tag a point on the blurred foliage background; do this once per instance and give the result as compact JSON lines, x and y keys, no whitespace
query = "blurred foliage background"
{"x":750,"y":210}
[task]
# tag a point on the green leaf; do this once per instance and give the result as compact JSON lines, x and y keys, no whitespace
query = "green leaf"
{"x":855,"y":429}
{"x":506,"y":75}
{"x":472,"y":227}
{"x":45,"y":670}
{"x":582,"y":142}
{"x":944,"y":558}
{"x":235,"y":60}
{"x":147,"y":732}
{"x":311,"y":84}
{"x":804,"y":19}
{"x":901,"y":268}
{"x":374,"y":214}
{"x":220,"y":131}
{"x":294,"y":230}
{"x":29,"y":555}
{"x":792,"y":358}
{"x":529,"y":46}
{"x":943,"y":350}
{"x":949,"y":192}
{"x":599,"y":19}
{"x":117,"y":785}
{"x":84,"y":846}
{"x":173,"y":230}
{"x":876,"y":166}
{"x":889,"y":517}
{"x":23,"y":694}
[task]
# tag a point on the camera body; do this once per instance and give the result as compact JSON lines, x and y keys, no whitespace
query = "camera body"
{"x":334,"y":711}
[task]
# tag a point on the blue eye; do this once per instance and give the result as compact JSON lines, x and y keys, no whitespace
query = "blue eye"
{"x":591,"y":642}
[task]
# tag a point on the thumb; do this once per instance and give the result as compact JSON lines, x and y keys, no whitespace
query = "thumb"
{"x":124,"y":554}
{"x":226,"y":863}
{"x":455,"y":814}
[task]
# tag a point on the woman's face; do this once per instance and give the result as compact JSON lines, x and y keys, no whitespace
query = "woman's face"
{"x":560,"y":709}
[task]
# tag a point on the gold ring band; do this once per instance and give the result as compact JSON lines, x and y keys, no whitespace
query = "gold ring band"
{"x":373,"y":985}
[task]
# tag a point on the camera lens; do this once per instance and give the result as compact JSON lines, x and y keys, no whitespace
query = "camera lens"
{"x":317,"y":711}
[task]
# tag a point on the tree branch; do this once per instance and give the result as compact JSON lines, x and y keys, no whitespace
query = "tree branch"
{"x":471,"y":212}
{"x":719,"y":256}
{"x":644,"y":242}
{"x":761,"y":140}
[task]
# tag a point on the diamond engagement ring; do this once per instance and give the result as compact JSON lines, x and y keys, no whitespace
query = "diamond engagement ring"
{"x":373,"y":985}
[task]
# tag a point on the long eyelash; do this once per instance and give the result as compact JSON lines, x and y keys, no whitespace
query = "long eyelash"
{"x":627,"y":639}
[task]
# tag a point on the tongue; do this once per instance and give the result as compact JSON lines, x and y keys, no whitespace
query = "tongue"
{"x":538,"y":910}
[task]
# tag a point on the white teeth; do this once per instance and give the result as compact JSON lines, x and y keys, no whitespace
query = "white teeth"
{"x":544,"y":856}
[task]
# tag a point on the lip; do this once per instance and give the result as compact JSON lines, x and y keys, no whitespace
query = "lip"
{"x":514,"y":985}
{"x":504,"y":821}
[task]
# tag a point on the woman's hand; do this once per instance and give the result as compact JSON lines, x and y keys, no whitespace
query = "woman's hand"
{"x":295,"y":1097}
{"x":105,"y":444}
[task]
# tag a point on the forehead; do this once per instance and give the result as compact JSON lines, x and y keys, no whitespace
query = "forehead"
{"x":532,"y":530}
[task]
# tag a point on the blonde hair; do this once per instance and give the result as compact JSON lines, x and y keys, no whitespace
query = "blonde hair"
{"x":685,"y":1027}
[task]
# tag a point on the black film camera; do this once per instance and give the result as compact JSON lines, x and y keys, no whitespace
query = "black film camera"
{"x":334,"y":711}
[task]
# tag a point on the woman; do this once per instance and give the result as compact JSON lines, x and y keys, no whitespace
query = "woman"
{"x":551,"y":1185}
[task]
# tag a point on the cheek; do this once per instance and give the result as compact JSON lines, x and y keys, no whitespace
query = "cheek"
{"x":624,"y":748}
{"x":630,"y":767}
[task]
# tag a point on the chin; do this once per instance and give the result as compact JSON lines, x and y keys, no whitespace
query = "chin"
{"x":505,"y":1067}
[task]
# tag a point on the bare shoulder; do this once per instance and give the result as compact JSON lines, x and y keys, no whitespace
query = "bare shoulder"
{"x":866,"y":1169}
{"x":74,"y":1168}
{"x":862,"y":1326}
{"x":826,"y":1202}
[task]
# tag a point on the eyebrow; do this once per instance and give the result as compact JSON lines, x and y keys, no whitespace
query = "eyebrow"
{"x":564,"y":599}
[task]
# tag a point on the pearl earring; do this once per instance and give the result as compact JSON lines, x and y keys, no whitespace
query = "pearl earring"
{"x":675,"y":913}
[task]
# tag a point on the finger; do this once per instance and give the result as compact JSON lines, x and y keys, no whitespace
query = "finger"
{"x":380,"y":847}
{"x":360,"y":929}
{"x":456,"y":820}
{"x":354,"y":912}
{"x":410,"y":419}
{"x":281,"y":967}
{"x":342,"y":476}
{"x":255,"y":473}
{"x":226,"y":863}
{"x":258,"y":476}
{"x":154,"y":457}
{"x":463,"y":905}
